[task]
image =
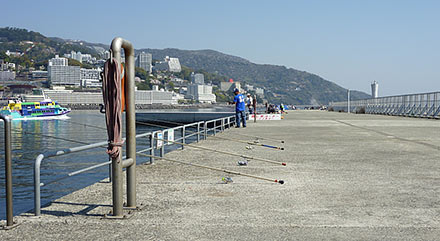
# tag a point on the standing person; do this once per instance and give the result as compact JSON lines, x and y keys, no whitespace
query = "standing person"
{"x":249,"y":103}
{"x":240,"y":108}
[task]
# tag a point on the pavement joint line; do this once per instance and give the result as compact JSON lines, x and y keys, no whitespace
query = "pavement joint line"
{"x":391,"y":136}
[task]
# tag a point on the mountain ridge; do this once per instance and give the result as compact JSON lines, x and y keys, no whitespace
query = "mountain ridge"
{"x":281,"y":84}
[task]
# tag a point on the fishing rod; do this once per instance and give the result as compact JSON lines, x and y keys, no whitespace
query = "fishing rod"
{"x":219,"y":137}
{"x":53,"y":137}
{"x":225,"y":152}
{"x":86,"y":125}
{"x":257,"y":137}
{"x":171,"y":160}
{"x":214,"y":168}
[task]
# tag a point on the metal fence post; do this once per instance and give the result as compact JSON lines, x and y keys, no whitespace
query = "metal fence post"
{"x":109,"y":171}
{"x":215,"y":126}
{"x":162,"y":148}
{"x":183,"y":136}
{"x":198,"y":131}
{"x":152,"y":147}
{"x":8,"y":170}
{"x":205,"y":126}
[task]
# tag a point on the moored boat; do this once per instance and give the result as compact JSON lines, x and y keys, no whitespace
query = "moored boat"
{"x":34,"y":110}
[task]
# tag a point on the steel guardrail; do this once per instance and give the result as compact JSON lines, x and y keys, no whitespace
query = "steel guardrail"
{"x":425,"y":105}
{"x":153,"y":146}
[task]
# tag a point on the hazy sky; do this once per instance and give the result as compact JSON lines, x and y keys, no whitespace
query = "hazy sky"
{"x":351,"y":43}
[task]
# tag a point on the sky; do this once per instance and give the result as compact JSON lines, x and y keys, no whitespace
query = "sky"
{"x":351,"y":43}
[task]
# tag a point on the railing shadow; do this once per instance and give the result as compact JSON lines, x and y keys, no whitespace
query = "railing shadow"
{"x":83,"y":212}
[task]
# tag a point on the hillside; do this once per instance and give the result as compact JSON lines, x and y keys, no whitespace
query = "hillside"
{"x":282,"y":84}
{"x":39,"y":49}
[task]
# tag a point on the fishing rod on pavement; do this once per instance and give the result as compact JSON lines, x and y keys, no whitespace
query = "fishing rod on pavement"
{"x":214,"y":168}
{"x":225,"y":152}
{"x":259,"y":137}
{"x":218,"y":137}
{"x":172,"y":160}
{"x":256,"y":137}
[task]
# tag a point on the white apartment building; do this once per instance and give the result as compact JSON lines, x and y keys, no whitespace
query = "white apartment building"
{"x":91,"y":78}
{"x":169,"y":64}
{"x":259,"y":91}
{"x":201,"y":93}
{"x":7,"y":75}
{"x":60,"y":73}
{"x":197,"y":78}
{"x":144,"y":61}
{"x":57,"y":61}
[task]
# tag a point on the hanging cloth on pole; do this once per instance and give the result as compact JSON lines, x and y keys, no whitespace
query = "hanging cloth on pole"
{"x":112,"y":94}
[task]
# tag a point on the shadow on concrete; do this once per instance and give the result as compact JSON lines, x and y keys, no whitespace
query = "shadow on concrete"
{"x":83,"y":212}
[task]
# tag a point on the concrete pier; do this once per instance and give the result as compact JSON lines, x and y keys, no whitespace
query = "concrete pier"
{"x":348,"y":177}
{"x":179,"y":117}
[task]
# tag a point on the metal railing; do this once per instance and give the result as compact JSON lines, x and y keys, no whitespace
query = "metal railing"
{"x":201,"y":129}
{"x":8,"y":171}
{"x":416,"y":105}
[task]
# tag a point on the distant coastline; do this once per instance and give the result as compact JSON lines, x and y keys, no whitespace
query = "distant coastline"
{"x":146,"y":106}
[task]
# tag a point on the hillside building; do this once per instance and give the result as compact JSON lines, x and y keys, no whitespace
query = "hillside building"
{"x":91,"y":78}
{"x":169,"y":64}
{"x":200,"y":93}
{"x":144,"y":61}
{"x":259,"y":92}
{"x":7,"y":75}
{"x":197,"y":78}
{"x":60,"y":73}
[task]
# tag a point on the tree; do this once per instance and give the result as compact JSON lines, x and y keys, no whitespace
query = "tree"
{"x":141,"y":73}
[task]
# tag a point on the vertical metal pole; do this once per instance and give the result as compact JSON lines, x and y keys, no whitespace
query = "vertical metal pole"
{"x":255,"y":108}
{"x":37,"y":197}
{"x":152,"y":147}
{"x":348,"y":101}
{"x":8,"y":170}
{"x":183,"y":136}
{"x":215,"y":126}
{"x":205,"y":126}
{"x":109,"y":171}
{"x":198,"y":131}
{"x":116,"y":46}
{"x":162,"y":148}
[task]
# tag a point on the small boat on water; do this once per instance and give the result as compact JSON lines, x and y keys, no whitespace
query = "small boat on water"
{"x":46,"y":109}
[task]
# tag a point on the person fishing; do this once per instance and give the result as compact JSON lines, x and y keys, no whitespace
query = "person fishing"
{"x":240,"y":108}
{"x":249,"y":103}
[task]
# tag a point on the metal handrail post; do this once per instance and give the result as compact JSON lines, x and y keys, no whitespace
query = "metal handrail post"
{"x":109,"y":170}
{"x":152,"y":147}
{"x":215,"y":126}
{"x":198,"y":131}
{"x":205,"y":126}
{"x":37,"y":185}
{"x":183,"y":135}
{"x":8,"y":170}
{"x":116,"y":46}
{"x":162,"y":148}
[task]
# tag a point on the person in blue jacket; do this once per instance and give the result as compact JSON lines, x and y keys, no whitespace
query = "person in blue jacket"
{"x":240,"y":108}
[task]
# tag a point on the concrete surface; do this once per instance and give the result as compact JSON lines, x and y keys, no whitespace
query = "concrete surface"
{"x":349,"y":177}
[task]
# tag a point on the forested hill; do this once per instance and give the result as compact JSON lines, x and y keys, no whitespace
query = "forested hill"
{"x":282,"y":84}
